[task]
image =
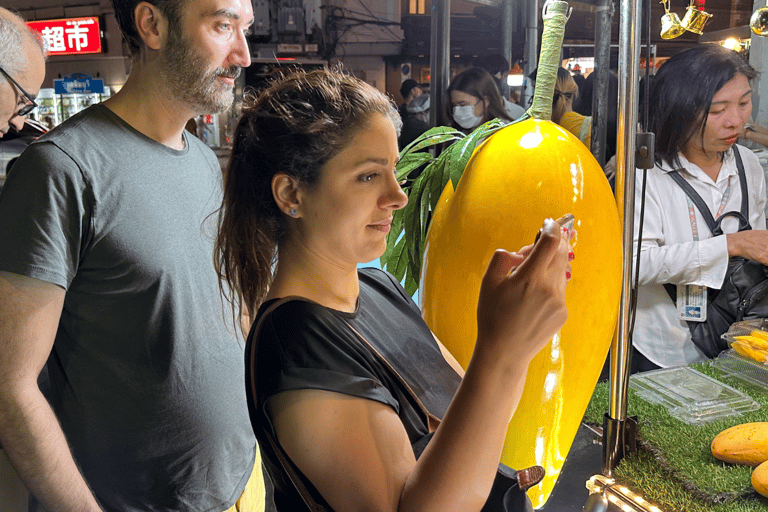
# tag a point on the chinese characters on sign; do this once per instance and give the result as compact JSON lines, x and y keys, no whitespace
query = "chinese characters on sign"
{"x":70,"y":36}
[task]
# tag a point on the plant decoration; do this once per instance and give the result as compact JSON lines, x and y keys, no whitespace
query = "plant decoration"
{"x":408,"y":234}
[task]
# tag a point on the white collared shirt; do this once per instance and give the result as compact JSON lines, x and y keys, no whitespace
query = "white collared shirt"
{"x":669,"y":253}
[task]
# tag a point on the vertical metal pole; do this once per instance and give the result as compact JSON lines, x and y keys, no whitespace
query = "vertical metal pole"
{"x":600,"y":107}
{"x":615,"y":438}
{"x":531,"y":37}
{"x":507,"y":29}
{"x":439,"y":60}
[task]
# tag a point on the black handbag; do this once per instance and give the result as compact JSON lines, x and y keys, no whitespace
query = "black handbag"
{"x":507,"y":493}
{"x":744,"y":293}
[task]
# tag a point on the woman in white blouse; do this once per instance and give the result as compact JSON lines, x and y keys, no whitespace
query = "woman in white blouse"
{"x":700,"y":101}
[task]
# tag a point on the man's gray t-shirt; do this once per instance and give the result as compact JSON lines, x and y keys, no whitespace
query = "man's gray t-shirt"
{"x":146,"y":372}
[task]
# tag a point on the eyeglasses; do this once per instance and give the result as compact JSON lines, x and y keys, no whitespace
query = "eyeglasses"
{"x":28,"y":107}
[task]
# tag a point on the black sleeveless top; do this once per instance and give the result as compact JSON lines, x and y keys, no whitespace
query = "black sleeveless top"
{"x":303,"y":345}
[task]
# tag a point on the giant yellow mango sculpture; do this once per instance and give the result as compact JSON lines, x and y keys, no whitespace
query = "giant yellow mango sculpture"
{"x":521,"y":175}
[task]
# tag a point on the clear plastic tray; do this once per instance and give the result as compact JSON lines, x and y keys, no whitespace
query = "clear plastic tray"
{"x":690,"y":396}
{"x":741,"y":368}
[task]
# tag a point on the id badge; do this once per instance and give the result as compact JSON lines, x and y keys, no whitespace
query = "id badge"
{"x":692,"y":303}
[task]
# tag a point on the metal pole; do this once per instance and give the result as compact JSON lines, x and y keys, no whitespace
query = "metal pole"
{"x":618,"y":430}
{"x":507,"y":30}
{"x":600,"y":107}
{"x":531,"y":39}
{"x":439,"y":60}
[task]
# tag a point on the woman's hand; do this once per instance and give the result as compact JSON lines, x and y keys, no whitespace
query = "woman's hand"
{"x":522,"y":296}
{"x":751,"y":244}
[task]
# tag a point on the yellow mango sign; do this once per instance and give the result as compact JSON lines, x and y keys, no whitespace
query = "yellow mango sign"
{"x":521,"y":175}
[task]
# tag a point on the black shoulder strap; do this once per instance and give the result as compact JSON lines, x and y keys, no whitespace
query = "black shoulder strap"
{"x":695,"y":197}
{"x":714,"y":225}
{"x":742,"y":182}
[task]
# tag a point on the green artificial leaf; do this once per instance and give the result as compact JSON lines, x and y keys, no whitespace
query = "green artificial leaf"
{"x":400,"y":263}
{"x":409,"y":162}
{"x":432,"y":137}
{"x":406,"y":240}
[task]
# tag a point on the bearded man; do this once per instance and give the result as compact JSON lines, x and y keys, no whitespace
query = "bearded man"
{"x":106,"y":275}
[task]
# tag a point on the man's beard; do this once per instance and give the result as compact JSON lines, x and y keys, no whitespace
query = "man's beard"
{"x":184,"y":71}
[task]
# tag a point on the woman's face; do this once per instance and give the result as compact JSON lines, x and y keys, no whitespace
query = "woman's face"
{"x":464,"y":101}
{"x":346,"y":216}
{"x":730,"y":110}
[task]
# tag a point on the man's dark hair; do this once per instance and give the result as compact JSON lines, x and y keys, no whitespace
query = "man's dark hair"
{"x":407,"y":86}
{"x":494,"y":63}
{"x":124,"y":12}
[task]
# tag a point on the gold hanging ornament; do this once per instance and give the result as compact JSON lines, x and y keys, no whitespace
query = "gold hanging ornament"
{"x":670,"y":23}
{"x":759,"y":21}
{"x":695,"y":18}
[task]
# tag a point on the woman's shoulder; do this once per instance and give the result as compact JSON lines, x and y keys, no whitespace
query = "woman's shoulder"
{"x":292,"y":311}
{"x":383,"y":283}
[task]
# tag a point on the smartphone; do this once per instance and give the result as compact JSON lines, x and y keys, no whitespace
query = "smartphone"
{"x":566,"y":221}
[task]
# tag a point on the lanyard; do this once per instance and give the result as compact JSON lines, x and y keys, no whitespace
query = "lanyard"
{"x":692,"y":210}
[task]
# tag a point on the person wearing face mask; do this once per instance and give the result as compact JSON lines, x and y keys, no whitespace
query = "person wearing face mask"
{"x":475,"y":100}
{"x":417,"y":121}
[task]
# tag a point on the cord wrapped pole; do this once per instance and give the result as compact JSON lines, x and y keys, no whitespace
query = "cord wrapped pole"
{"x":555,"y":14}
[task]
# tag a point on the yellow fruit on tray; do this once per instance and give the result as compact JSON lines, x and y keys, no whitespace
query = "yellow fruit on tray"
{"x":524,"y":173}
{"x":760,"y":479}
{"x":746,"y":350}
{"x":753,"y":341}
{"x":743,"y":444}
{"x":757,"y":333}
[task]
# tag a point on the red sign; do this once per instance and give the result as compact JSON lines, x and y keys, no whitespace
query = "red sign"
{"x":70,"y":36}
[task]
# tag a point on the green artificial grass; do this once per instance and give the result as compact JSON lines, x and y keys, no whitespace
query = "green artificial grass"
{"x":675,"y":467}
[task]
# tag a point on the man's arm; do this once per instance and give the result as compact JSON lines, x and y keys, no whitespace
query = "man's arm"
{"x":29,"y":431}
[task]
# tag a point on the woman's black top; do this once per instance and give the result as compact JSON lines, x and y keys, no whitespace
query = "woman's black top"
{"x":303,"y":345}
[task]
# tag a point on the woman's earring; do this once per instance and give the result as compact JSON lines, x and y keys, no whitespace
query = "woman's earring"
{"x":292,"y":212}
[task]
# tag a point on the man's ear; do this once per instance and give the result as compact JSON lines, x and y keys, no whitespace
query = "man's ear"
{"x":151,"y":25}
{"x":286,"y":192}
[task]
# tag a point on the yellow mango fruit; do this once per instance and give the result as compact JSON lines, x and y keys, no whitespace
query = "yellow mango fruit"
{"x":526,"y":172}
{"x":760,"y":479}
{"x":742,"y":444}
{"x":753,"y":341}
{"x":748,"y":351}
{"x":757,"y":333}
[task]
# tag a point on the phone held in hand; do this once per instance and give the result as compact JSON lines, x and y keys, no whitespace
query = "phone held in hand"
{"x":566,"y":221}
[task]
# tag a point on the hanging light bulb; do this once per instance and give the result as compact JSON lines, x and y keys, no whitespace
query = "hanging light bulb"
{"x":759,"y":21}
{"x":732,"y":44}
{"x":695,"y":17}
{"x":670,"y":23}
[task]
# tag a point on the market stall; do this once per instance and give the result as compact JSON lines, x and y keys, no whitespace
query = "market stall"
{"x":654,"y":457}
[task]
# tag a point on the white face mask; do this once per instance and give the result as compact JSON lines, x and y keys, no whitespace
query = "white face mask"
{"x":465,"y":116}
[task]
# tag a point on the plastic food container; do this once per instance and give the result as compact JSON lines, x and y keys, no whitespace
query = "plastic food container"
{"x":749,"y":338}
{"x":742,"y":368}
{"x":690,"y":396}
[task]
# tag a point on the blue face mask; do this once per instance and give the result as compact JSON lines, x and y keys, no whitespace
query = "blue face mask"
{"x":464,"y":115}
